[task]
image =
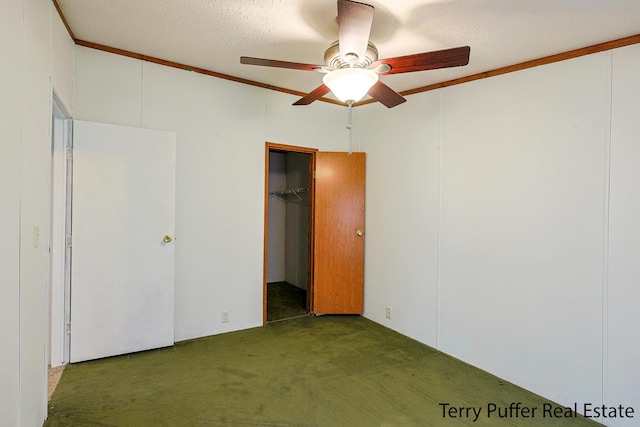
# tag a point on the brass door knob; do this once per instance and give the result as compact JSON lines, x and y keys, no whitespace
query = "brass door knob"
{"x":167,"y":239}
{"x":359,"y":233}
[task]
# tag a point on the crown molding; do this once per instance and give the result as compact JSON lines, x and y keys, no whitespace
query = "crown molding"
{"x":601,"y":47}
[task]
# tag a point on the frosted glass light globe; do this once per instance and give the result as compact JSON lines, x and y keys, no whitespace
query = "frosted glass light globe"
{"x":350,"y":84}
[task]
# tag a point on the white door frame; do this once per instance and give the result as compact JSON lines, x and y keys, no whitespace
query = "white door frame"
{"x":59,"y":253}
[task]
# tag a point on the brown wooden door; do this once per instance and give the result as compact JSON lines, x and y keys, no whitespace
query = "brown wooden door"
{"x":338,"y":285}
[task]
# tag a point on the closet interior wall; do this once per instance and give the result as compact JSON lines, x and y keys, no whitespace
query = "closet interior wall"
{"x":288,"y":252}
{"x":277,"y":215}
{"x":297,"y":221}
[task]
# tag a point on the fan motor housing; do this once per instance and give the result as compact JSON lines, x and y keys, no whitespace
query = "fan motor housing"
{"x":334,"y":61}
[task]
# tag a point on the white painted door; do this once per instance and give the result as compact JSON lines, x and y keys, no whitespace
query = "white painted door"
{"x":122,"y":270}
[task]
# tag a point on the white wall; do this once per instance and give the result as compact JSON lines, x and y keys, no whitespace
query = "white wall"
{"x":402,"y":189}
{"x":36,"y":160}
{"x":221,"y":128}
{"x":488,"y":224}
{"x":522,"y":203}
{"x":11,"y":22}
{"x":35,"y":52}
{"x":623,"y":291}
{"x":62,"y":60}
{"x":219,"y":195}
{"x":108,"y":94}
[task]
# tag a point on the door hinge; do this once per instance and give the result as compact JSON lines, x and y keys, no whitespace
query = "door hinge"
{"x":69,"y":153}
{"x":314,"y":174}
{"x":67,"y":328}
{"x":67,"y":241}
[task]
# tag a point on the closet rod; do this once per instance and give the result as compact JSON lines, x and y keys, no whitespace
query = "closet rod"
{"x":280,"y":194}
{"x":292,"y":191}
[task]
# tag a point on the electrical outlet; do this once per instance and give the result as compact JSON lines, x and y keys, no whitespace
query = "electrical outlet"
{"x":388,"y":312}
{"x":225,"y":316}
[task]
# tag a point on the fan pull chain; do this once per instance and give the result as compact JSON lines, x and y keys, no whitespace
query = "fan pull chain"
{"x":350,"y":126}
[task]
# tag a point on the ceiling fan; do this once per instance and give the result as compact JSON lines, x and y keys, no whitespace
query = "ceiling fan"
{"x":352,"y":66}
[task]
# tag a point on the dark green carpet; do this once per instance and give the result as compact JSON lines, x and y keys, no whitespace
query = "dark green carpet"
{"x":310,"y":371}
{"x":285,"y":301}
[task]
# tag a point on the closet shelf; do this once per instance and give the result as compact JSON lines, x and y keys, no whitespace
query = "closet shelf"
{"x":282,"y":195}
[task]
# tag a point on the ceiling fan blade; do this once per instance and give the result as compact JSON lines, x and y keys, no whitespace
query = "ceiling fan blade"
{"x":455,"y":57}
{"x":279,"y":64}
{"x":385,"y":95}
{"x":316,"y":94}
{"x":354,"y":26}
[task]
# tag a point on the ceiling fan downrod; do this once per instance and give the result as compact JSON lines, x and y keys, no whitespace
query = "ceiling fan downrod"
{"x":350,"y":125}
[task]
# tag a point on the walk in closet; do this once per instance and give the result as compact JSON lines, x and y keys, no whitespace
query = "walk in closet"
{"x":288,"y":239}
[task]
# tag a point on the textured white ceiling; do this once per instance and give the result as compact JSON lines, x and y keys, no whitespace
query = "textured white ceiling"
{"x":213,"y":34}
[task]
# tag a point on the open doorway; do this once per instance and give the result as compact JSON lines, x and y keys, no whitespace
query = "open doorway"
{"x":57,"y":354}
{"x":60,"y":248}
{"x":288,"y":277}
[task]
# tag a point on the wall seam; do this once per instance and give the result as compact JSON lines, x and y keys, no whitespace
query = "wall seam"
{"x":606,"y":233}
{"x":20,"y":222}
{"x":46,"y":348}
{"x":141,"y":90}
{"x":439,"y":225}
{"x":266,"y":115}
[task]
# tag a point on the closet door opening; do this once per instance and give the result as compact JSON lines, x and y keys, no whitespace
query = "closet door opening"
{"x":288,"y":278}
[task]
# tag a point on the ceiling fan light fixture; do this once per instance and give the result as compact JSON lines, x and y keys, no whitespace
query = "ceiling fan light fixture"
{"x":350,"y":84}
